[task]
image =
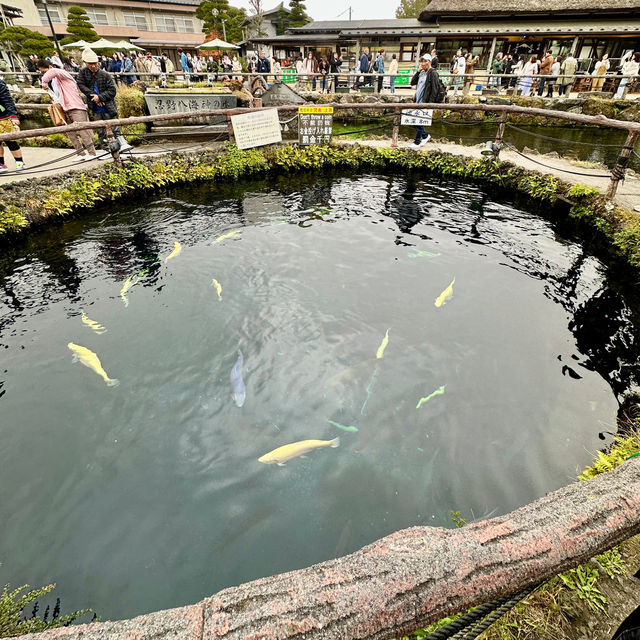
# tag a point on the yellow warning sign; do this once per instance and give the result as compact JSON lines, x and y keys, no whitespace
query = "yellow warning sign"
{"x":315,"y":109}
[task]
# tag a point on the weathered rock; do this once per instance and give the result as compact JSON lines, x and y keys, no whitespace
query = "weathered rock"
{"x":279,"y":94}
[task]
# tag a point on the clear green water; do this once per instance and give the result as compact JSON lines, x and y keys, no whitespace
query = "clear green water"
{"x":150,"y":495}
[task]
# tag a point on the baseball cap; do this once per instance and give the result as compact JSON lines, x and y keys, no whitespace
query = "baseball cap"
{"x":427,"y":57}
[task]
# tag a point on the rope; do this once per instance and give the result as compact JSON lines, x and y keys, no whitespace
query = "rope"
{"x":348,"y":133}
{"x":539,"y":135}
{"x":575,"y":173}
{"x":474,"y":618}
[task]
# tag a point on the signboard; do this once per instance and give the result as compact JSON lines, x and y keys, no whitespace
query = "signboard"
{"x":417,"y":117}
{"x":314,"y":125}
{"x":175,"y":102}
{"x":256,"y":129}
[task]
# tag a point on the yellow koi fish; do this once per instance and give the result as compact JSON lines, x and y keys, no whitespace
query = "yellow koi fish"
{"x":281,"y":455}
{"x":177,"y":248}
{"x":128,"y":283}
{"x":92,"y":324}
{"x":383,"y":345}
{"x":445,"y":296}
{"x":235,"y":232}
{"x":218,"y":287}
{"x":91,"y":360}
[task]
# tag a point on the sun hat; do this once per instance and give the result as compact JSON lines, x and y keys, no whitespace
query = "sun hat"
{"x":88,"y":56}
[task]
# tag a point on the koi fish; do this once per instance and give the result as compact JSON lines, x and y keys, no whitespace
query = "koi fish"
{"x":438,"y":392}
{"x":423,"y":254}
{"x":218,"y":287}
{"x":177,"y":248}
{"x":128,"y":283}
{"x":91,"y":360}
{"x":383,"y":345}
{"x":281,"y":455}
{"x":341,"y":426}
{"x":235,"y":232}
{"x":92,"y":324}
{"x":445,"y":296}
{"x":239,"y":390}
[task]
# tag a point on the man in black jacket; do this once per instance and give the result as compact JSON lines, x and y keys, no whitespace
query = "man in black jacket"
{"x":427,"y":82}
{"x":100,"y":90}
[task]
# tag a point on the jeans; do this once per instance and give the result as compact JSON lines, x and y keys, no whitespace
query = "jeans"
{"x":621,"y":89}
{"x":392,"y":85}
{"x":324,"y":83}
{"x":101,"y":132}
{"x":541,"y":82}
{"x":420,"y":135}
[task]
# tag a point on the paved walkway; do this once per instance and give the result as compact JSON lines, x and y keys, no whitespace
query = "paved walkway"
{"x":58,"y":161}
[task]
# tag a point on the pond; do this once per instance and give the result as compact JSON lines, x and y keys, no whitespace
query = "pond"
{"x":465,"y":355}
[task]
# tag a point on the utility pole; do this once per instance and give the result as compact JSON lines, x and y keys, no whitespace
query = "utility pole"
{"x":224,"y":29}
{"x":53,"y":33}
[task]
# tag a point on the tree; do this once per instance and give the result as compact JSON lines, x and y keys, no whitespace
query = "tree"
{"x":298,"y":16}
{"x":25,"y":42}
{"x":410,"y":8}
{"x":281,"y":21}
{"x":213,"y":12}
{"x":79,"y":27}
{"x":257,"y":18}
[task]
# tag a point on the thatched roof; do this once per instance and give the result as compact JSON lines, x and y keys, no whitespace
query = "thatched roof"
{"x":508,"y":7}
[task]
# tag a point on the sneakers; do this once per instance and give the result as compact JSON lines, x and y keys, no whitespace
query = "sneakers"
{"x":20,"y":165}
{"x":125,"y":147}
{"x":425,"y":140}
{"x":3,"y":167}
{"x":414,"y":145}
{"x":89,"y":158}
{"x":79,"y":159}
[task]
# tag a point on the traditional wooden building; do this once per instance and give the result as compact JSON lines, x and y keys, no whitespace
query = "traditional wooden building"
{"x":587,"y":28}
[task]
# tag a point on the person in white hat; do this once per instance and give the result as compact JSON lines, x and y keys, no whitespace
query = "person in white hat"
{"x":100,"y":90}
{"x":428,"y":89}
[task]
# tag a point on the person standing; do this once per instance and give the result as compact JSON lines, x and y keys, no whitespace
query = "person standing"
{"x":568,"y":70}
{"x":100,"y":90}
{"x":128,"y":70}
{"x":65,"y":92}
{"x":393,"y":72}
{"x":364,"y":67}
{"x":545,"y":70}
{"x":32,"y":69}
{"x":264,"y":66}
{"x":334,"y":68}
{"x":470,"y":67}
{"x":379,"y":68}
{"x":310,"y":69}
{"x":553,"y":77}
{"x":427,"y":83}
{"x":459,"y":68}
{"x":299,"y":73}
{"x":323,"y":70}
{"x":434,"y":59}
{"x":184,"y":64}
{"x":629,"y":68}
{"x":497,"y":68}
{"x":529,"y":70}
{"x":599,"y":71}
{"x":9,"y":122}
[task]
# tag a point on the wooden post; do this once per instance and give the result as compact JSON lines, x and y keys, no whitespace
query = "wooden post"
{"x":396,"y":127}
{"x":232,"y":138}
{"x":117,"y":160}
{"x":619,"y":170}
{"x":500,"y":133}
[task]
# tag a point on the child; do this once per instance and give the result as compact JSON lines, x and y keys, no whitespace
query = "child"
{"x":9,"y":122}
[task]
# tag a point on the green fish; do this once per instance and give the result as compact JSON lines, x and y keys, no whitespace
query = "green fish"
{"x":341,"y":426}
{"x":438,"y":392}
{"x":423,"y":254}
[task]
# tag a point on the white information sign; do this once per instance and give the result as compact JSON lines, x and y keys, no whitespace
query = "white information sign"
{"x":417,"y":117}
{"x":256,"y":129}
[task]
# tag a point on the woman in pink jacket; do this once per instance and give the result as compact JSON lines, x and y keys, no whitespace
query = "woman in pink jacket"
{"x":62,"y":85}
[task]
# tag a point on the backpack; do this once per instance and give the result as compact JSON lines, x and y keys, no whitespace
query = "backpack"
{"x":441,"y":95}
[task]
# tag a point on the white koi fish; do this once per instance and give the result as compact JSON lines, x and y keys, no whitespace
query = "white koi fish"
{"x":445,"y":296}
{"x":92,"y":324}
{"x":177,"y":248}
{"x":218,"y":287}
{"x":128,"y":283}
{"x":383,"y":345}
{"x":91,"y":360}
{"x":281,"y":455}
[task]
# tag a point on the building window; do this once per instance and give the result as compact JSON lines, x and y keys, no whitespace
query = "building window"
{"x":97,"y":16}
{"x":54,"y":12}
{"x":185,"y":25}
{"x":407,"y":52}
{"x":165,"y":23}
{"x":135,"y":19}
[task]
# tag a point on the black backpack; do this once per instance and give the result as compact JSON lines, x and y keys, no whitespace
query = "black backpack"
{"x":441,"y":96}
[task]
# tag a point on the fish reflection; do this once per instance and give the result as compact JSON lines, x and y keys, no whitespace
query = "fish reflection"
{"x":92,"y":324}
{"x":240,"y":526}
{"x":239,"y":391}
